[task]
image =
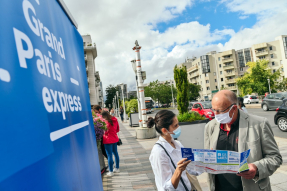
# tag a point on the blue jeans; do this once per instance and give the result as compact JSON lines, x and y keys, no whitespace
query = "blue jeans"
{"x":110,"y":150}
{"x":122,"y":117}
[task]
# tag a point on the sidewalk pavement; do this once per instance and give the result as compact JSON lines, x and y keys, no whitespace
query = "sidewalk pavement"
{"x":136,"y":172}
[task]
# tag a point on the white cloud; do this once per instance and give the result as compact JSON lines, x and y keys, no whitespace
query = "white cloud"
{"x":115,"y":25}
{"x":243,"y":17}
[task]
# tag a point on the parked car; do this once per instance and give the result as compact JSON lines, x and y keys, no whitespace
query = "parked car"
{"x":204,"y":109}
{"x":273,"y":101}
{"x":191,"y":105}
{"x":280,"y":118}
{"x":248,"y":99}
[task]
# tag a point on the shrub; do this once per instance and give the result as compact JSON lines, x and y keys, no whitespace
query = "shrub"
{"x":189,"y":117}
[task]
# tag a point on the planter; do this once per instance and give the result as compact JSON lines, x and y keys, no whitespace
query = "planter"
{"x":192,"y":134}
{"x":101,"y":159}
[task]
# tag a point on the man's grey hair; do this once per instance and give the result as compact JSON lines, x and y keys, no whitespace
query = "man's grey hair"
{"x":231,"y":96}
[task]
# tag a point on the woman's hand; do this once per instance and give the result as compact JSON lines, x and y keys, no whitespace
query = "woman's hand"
{"x":181,"y":165}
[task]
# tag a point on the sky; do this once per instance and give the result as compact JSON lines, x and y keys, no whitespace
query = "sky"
{"x":169,"y":31}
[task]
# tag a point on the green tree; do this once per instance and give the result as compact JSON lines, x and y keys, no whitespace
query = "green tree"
{"x":282,"y":85}
{"x":132,"y":106}
{"x":255,"y":78}
{"x":110,"y":94}
{"x":160,"y":92}
{"x":193,"y":91}
{"x":180,"y":77}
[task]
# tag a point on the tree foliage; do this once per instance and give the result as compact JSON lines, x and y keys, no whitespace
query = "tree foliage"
{"x":160,"y":92}
{"x":180,"y":77}
{"x":193,"y":91}
{"x":110,"y":94}
{"x":255,"y":78}
{"x":282,"y":85}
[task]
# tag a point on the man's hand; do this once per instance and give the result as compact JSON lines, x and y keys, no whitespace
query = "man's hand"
{"x":249,"y":174}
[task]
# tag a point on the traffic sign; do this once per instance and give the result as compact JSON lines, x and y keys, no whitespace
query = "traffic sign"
{"x":47,"y":139}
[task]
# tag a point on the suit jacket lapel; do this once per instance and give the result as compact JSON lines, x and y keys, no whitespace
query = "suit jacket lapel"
{"x":216,"y":130}
{"x":243,"y":128}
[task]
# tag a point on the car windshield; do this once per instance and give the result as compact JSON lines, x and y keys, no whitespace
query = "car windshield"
{"x":206,"y":105}
{"x":253,"y":97}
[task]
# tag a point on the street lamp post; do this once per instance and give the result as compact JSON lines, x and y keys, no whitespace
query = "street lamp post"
{"x":269,"y":85}
{"x":140,"y":83}
{"x":172,"y":94}
{"x":138,"y":98}
{"x":118,"y":103}
{"x":124,"y":105}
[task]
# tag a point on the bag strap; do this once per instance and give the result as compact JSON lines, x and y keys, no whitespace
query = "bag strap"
{"x":173,"y":166}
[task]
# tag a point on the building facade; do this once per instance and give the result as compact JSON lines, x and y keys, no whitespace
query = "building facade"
{"x":132,"y":94}
{"x":93,"y":77}
{"x":125,"y":91}
{"x":218,"y":70}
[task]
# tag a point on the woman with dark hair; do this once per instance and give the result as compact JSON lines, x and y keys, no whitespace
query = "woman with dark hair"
{"x":122,"y":113}
{"x":168,"y":151}
{"x":110,"y":139}
{"x":241,"y":105}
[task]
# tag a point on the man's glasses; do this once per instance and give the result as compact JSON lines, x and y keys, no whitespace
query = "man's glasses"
{"x":218,"y":111}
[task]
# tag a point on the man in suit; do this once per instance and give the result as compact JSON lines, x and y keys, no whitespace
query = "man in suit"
{"x":234,"y":130}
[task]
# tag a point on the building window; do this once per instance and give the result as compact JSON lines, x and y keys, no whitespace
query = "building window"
{"x":270,"y":47}
{"x":274,"y":71}
{"x":222,"y":79}
{"x":207,"y":81}
{"x":281,"y":62}
{"x":222,"y":86}
{"x":206,"y":75}
{"x":207,"y":88}
{"x":241,"y":69}
{"x":261,"y":57}
{"x":241,"y":58}
{"x":216,"y":87}
{"x":205,"y":63}
{"x":220,"y":72}
{"x":285,"y":46}
{"x":247,"y":55}
{"x":219,"y":65}
{"x":282,"y":69}
{"x":273,"y":63}
{"x":218,"y":58}
{"x":271,"y":55}
{"x":214,"y":73}
{"x":215,"y":80}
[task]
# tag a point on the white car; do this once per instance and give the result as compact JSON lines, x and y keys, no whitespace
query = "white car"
{"x":248,"y":99}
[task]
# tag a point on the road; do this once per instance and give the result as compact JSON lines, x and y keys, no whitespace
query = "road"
{"x":267,"y":114}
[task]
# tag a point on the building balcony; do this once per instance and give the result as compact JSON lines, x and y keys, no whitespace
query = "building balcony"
{"x":88,"y":80}
{"x":229,"y":74}
{"x":231,"y":88}
{"x":230,"y":81}
{"x":86,"y":57}
{"x":193,"y":68}
{"x":97,"y":75}
{"x":194,"y":75}
{"x":230,"y":59}
{"x":261,"y":53}
{"x":260,"y":46}
{"x":226,"y":53}
{"x":228,"y":67}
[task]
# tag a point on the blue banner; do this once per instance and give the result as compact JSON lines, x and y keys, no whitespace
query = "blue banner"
{"x":47,"y":139}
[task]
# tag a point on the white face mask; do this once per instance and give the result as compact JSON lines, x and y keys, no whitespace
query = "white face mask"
{"x":224,"y":117}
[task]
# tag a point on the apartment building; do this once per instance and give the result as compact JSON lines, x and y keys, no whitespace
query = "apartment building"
{"x":125,"y":90}
{"x":218,"y":70}
{"x":93,"y":77}
{"x":132,"y":94}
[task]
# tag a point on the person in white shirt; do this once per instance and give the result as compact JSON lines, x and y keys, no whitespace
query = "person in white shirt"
{"x":167,"y":178}
{"x":241,"y":105}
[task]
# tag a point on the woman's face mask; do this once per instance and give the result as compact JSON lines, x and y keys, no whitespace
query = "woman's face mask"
{"x":176,"y":133}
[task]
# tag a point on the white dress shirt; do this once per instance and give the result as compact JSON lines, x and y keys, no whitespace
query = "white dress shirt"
{"x":163,"y":168}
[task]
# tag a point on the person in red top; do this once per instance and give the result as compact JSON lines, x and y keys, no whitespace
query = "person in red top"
{"x":110,"y":140}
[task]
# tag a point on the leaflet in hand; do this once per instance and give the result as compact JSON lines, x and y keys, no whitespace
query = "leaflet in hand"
{"x":216,"y":161}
